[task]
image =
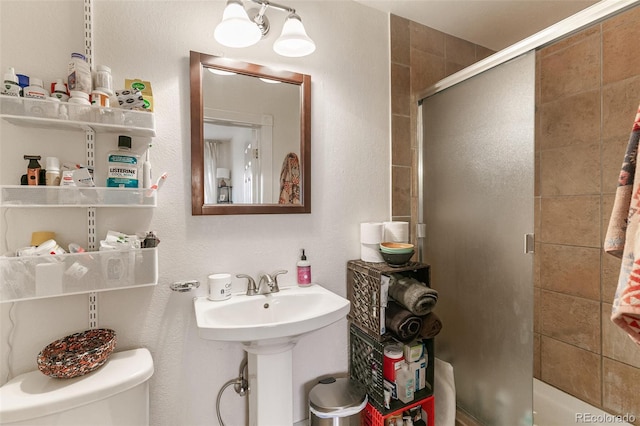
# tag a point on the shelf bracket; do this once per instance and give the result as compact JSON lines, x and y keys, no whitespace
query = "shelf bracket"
{"x":90,"y":140}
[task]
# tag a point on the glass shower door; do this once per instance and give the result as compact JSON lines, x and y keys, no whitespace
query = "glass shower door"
{"x":478,"y":204}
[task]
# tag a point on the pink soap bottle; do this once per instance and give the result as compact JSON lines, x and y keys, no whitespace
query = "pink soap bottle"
{"x":304,"y":271}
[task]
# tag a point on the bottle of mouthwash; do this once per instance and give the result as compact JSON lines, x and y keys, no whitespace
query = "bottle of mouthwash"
{"x":123,"y":166}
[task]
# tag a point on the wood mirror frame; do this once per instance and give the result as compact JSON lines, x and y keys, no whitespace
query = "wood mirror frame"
{"x":198,"y":63}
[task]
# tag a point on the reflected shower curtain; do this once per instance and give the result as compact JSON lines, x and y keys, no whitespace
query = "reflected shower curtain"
{"x":210,"y":163}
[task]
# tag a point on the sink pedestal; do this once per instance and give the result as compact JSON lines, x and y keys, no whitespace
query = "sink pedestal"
{"x":270,"y":384}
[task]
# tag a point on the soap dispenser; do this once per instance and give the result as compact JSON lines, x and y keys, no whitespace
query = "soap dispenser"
{"x":304,"y":271}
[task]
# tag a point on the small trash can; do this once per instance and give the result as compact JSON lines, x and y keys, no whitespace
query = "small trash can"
{"x":336,"y":402}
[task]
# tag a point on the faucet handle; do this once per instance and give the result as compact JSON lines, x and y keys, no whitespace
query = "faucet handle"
{"x":252,"y":289}
{"x":275,"y":277}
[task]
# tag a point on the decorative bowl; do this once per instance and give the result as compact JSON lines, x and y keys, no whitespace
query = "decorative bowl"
{"x":396,"y":248}
{"x":77,"y":354}
{"x":396,"y":259}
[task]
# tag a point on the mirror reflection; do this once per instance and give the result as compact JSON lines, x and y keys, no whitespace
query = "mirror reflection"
{"x":250,"y":138}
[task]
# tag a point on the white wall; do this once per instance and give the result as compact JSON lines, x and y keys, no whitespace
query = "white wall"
{"x":350,"y":156}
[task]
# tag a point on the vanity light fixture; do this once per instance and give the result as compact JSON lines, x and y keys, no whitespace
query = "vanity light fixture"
{"x":240,"y":28}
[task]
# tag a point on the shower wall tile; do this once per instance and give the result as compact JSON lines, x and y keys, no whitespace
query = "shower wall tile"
{"x":570,"y":270}
{"x":570,"y":121}
{"x":616,"y":344}
{"x":570,"y":171}
{"x":536,"y":309}
{"x":400,"y":89}
{"x":425,"y":39}
{"x":459,"y":51}
{"x":452,"y":67}
{"x":401,"y":191}
{"x":610,"y":274}
{"x":399,"y":40}
{"x":536,"y":182}
{"x":620,"y":59}
{"x":567,"y":42}
{"x":621,"y":388}
{"x":571,"y":369}
{"x":483,"y":52}
{"x":426,"y":70}
{"x":400,"y":140}
{"x":570,"y":319}
{"x":571,"y":221}
{"x":619,"y":106}
{"x":607,"y":208}
{"x":536,"y":355}
{"x":571,"y":71}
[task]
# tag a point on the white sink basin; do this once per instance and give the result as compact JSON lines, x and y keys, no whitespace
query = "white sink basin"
{"x":287,"y":314}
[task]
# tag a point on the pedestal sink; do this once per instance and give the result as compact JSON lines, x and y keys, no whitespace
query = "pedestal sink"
{"x":268,"y":327}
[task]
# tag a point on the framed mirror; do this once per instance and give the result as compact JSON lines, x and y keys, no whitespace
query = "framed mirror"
{"x":250,"y":138}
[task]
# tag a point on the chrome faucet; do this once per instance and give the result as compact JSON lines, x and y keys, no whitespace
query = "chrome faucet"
{"x":267,"y":284}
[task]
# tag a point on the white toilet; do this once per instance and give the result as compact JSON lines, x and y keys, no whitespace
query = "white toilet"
{"x":116,"y":394}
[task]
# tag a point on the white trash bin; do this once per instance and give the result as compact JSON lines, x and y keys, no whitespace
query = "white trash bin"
{"x":336,"y":402}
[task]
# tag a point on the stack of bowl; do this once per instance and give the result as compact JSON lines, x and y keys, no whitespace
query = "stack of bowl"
{"x":396,"y":254}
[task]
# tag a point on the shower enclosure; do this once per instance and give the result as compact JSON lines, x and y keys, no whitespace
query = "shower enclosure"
{"x":478,"y":162}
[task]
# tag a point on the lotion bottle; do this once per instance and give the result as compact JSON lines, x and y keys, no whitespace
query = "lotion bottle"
{"x":304,"y":271}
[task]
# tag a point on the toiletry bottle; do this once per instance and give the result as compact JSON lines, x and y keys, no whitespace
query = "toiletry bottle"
{"x":79,"y":76}
{"x":33,"y":169}
{"x":406,"y":383}
{"x":52,"y":176}
{"x":123,"y":165}
{"x":60,"y":91}
{"x":35,"y":89}
{"x":103,"y":79}
{"x":10,"y":85}
{"x":304,"y":271}
{"x":146,"y":171}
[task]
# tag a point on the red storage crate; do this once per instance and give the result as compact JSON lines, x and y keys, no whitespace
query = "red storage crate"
{"x":370,"y":416}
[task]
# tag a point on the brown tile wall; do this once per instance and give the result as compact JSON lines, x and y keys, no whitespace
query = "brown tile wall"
{"x":587,"y":93}
{"x":420,"y":57}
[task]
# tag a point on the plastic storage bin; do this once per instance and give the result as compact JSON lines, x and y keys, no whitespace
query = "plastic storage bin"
{"x":336,"y":402}
{"x":422,"y":413}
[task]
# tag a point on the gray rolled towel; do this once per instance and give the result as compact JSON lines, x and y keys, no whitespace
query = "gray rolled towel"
{"x":404,"y":325}
{"x":417,"y":297}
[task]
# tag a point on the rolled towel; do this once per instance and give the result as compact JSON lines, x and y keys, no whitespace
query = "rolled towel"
{"x":412,"y":294}
{"x":404,"y":325}
{"x":431,"y":326}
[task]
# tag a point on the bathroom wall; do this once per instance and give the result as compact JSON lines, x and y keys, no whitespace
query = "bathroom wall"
{"x":588,"y":91}
{"x":420,"y":57}
{"x":351,"y":184}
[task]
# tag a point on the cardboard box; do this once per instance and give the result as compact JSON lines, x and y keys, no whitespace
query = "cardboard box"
{"x":145,"y":88}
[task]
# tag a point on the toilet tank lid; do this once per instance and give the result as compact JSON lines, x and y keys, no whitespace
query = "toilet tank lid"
{"x":33,"y":394}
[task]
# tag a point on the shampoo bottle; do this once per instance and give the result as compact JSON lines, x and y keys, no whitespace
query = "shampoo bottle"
{"x":123,"y":165}
{"x":304,"y":271}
